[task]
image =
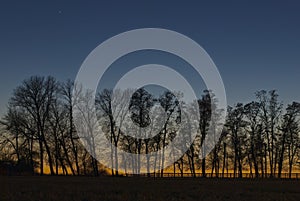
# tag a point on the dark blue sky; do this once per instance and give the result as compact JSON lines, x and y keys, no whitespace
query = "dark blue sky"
{"x":255,"y":45}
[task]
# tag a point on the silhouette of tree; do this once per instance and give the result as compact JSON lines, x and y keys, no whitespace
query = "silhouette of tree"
{"x":253,"y":128}
{"x":36,"y":95}
{"x":271,"y":110}
{"x":235,"y":125}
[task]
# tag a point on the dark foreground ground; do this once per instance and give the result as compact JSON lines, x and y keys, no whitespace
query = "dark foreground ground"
{"x":46,"y":188}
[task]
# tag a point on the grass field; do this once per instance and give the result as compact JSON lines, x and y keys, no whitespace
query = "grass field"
{"x":23,"y":188}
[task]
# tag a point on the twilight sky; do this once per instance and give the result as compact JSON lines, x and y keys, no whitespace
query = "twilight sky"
{"x":255,"y":45}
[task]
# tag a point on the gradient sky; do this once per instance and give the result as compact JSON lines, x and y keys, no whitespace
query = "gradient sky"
{"x":255,"y":45}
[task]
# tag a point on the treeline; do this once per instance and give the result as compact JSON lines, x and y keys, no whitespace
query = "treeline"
{"x":260,"y":137}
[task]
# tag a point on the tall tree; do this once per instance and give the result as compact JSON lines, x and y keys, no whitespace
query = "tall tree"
{"x":289,"y":139}
{"x":68,"y":100}
{"x":271,"y":110}
{"x":235,"y":124}
{"x":252,"y":111}
{"x":205,"y":104}
{"x":36,"y":95}
{"x":140,"y":106}
{"x":170,"y":104}
{"x":87,"y":125}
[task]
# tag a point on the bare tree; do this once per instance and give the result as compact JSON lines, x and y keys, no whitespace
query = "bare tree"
{"x":18,"y":133}
{"x":68,"y":101}
{"x":235,"y":124}
{"x":87,"y":124}
{"x":252,"y":111}
{"x":270,"y":113}
{"x":205,"y":118}
{"x":169,"y":103}
{"x":290,"y":137}
{"x":36,"y":95}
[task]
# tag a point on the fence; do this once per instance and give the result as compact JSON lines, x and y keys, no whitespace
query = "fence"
{"x":219,"y":175}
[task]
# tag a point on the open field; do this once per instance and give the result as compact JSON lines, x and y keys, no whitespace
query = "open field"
{"x":23,"y":188}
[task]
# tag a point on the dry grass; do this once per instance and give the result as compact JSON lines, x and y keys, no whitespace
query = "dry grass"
{"x":144,"y":189}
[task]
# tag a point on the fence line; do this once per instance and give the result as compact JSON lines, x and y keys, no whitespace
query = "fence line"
{"x":219,"y":175}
